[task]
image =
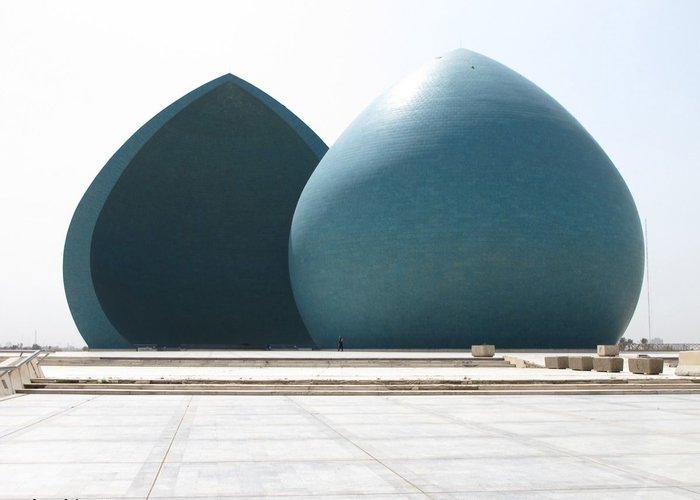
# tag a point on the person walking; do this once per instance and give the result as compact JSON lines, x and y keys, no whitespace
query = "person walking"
{"x":340,"y":343}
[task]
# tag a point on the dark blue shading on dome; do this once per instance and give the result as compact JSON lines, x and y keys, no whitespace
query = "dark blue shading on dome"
{"x":466,"y":206}
{"x":182,"y":237}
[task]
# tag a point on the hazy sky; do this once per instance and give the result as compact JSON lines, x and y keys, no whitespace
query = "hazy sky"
{"x":78,"y":78}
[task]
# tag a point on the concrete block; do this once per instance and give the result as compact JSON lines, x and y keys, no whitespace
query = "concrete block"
{"x":647,"y":366}
{"x":556,"y":362}
{"x":581,"y":363}
{"x":688,"y":363}
{"x":608,"y":364}
{"x":483,"y":351}
{"x":609,"y":350}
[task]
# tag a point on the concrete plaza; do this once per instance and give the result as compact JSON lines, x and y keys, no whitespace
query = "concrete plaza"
{"x":87,"y":446}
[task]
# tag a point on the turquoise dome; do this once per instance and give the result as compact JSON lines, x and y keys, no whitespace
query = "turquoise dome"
{"x":464,"y":206}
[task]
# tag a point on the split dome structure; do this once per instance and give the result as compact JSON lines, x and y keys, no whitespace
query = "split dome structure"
{"x":463,"y":206}
{"x":182,"y":237}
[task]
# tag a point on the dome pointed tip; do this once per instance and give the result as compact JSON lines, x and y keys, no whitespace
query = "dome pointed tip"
{"x":461,"y":51}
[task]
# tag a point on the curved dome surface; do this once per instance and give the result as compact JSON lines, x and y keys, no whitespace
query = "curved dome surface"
{"x":182,"y":237}
{"x":465,"y":206}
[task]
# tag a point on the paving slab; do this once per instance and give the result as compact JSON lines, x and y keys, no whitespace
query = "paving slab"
{"x":18,"y":451}
{"x":619,"y":445}
{"x":563,"y":428}
{"x":680,"y":469}
{"x":189,"y":480}
{"x":439,"y":448}
{"x":689,"y":426}
{"x":483,"y":474}
{"x":261,"y":449}
{"x":77,"y":480}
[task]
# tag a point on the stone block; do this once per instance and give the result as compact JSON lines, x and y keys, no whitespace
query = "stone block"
{"x":608,"y":364}
{"x":609,"y":350}
{"x":647,"y":366}
{"x":581,"y":363}
{"x":556,"y":362}
{"x":483,"y":351}
{"x":689,"y":363}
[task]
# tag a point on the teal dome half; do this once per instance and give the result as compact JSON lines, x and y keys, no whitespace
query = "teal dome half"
{"x":181,"y":239}
{"x":464,"y":206}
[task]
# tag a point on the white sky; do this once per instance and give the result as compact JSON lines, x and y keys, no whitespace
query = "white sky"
{"x":78,"y":78}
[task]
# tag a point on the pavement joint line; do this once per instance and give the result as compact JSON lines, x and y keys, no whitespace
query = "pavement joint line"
{"x":172,"y":440}
{"x":257,"y":461}
{"x":636,"y":406}
{"x":628,"y":469}
{"x":591,"y":489}
{"x":626,"y":425}
{"x":316,"y":417}
{"x":283,"y":495}
{"x":537,"y":443}
{"x":55,"y":414}
{"x":686,"y":487}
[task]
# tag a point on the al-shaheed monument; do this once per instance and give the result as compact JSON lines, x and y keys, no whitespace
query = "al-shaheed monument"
{"x":462,"y":206}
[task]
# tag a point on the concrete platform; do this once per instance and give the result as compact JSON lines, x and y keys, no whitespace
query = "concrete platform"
{"x":62,"y":446}
{"x":323,"y":365}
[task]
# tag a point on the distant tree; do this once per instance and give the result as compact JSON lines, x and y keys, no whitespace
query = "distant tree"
{"x":644,"y":341}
